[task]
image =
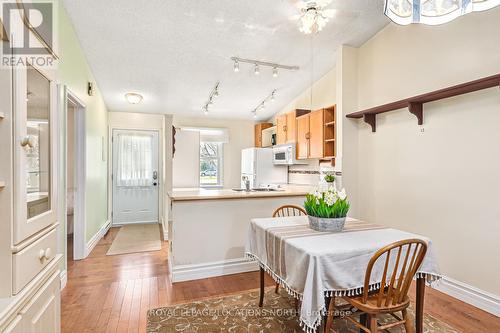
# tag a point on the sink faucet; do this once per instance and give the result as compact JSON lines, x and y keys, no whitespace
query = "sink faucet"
{"x":247,"y":183}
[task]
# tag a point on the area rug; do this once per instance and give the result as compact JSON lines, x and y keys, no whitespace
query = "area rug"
{"x":240,"y":314}
{"x":136,"y":238}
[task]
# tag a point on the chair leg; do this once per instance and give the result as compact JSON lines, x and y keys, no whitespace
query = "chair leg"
{"x":277,"y":288}
{"x":373,"y":323}
{"x":261,"y":295}
{"x":329,"y":315}
{"x":408,"y":322}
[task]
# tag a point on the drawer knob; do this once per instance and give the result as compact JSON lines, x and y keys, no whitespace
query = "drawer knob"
{"x":48,"y":253}
{"x":28,"y":141}
{"x":45,"y":254}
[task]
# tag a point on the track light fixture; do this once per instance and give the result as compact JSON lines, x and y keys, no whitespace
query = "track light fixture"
{"x":214,"y":93}
{"x":257,"y":64}
{"x":262,"y":105}
{"x":256,"y":69}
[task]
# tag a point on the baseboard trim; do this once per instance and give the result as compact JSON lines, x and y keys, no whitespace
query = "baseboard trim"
{"x":201,"y":271}
{"x":469,"y":294}
{"x":96,"y":238}
{"x":64,"y":278}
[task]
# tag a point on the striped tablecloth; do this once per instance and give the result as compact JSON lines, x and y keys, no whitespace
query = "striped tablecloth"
{"x":311,"y":265}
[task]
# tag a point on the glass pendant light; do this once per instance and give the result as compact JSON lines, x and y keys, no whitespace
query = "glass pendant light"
{"x":433,"y":12}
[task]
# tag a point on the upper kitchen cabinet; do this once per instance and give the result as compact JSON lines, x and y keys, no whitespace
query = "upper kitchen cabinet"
{"x":258,"y":133}
{"x":303,"y":137}
{"x":286,"y":131}
{"x":316,"y":121}
{"x":316,"y":134}
{"x":35,"y":151}
{"x":281,"y":129}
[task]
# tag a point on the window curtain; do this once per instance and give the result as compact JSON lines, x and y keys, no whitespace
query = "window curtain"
{"x":135,"y":160}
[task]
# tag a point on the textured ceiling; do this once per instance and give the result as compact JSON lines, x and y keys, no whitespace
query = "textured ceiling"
{"x":173,"y":52}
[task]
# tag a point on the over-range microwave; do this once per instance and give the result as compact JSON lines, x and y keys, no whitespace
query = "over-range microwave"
{"x":286,"y":155}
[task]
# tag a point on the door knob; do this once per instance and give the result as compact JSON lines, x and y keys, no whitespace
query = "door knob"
{"x":27,"y":141}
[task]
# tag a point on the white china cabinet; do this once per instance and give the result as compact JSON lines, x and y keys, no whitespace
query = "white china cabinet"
{"x":29,"y":259}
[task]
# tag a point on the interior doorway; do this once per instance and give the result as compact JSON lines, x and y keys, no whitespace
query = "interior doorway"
{"x":75,"y":178}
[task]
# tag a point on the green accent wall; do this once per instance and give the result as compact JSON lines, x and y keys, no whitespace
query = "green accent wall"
{"x":74,"y":72}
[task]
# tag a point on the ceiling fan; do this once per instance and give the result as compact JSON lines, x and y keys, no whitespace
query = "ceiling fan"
{"x":313,"y":15}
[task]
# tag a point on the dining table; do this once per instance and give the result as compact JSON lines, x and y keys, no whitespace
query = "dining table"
{"x":313,"y":266}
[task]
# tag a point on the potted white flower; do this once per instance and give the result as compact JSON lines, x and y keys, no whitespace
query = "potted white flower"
{"x":327,"y":210}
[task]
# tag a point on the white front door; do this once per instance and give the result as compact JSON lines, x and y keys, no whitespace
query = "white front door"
{"x":136,"y":177}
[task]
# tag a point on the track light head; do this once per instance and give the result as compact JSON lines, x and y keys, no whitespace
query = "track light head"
{"x":275,"y":71}
{"x":236,"y":66}
{"x":256,"y":70}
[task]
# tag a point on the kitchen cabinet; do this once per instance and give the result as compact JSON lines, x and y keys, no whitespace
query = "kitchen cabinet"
{"x":303,"y":137}
{"x":281,"y":129}
{"x":316,"y":134}
{"x":258,"y":133}
{"x":286,"y":131}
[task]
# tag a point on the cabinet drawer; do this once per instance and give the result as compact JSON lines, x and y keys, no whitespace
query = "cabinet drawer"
{"x":31,"y":260}
{"x":43,"y":312}
{"x":15,"y":326}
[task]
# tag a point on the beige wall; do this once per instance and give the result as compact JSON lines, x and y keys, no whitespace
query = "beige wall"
{"x":442,"y":182}
{"x":324,"y":95}
{"x":241,"y":135}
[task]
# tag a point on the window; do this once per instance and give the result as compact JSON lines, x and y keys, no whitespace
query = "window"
{"x":211,"y":163}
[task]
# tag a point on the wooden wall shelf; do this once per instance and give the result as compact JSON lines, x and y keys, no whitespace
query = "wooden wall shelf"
{"x":415,"y":103}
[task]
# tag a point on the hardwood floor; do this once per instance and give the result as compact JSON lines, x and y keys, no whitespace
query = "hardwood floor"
{"x":113,"y":293}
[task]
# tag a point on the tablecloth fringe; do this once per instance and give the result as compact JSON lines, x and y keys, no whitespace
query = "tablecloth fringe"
{"x":312,"y":328}
{"x":295,"y":294}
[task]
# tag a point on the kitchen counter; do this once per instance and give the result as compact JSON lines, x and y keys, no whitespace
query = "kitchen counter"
{"x":208,"y":228}
{"x":190,"y":194}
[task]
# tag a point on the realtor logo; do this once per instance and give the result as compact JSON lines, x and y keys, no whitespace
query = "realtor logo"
{"x":30,"y":30}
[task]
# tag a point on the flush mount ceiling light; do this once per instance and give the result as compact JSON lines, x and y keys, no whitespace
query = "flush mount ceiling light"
{"x":262,"y":105}
{"x":133,"y":98}
{"x":214,"y":93}
{"x":433,"y":12}
{"x":258,"y":64}
{"x":313,"y":15}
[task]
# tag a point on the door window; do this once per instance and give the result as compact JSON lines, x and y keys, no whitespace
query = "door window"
{"x":135,"y":160}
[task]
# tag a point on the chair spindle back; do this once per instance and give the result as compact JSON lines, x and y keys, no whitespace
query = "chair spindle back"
{"x":409,"y":256}
{"x":289,"y":210}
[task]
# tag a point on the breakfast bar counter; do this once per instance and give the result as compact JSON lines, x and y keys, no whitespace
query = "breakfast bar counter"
{"x":207,"y":228}
{"x":189,"y":194}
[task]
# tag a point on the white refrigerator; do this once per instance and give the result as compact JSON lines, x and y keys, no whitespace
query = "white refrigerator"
{"x":257,"y":165}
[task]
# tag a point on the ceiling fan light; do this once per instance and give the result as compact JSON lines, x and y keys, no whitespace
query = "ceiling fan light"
{"x":133,"y":98}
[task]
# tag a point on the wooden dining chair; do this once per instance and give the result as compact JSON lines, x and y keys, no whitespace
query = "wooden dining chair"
{"x":289,"y":210}
{"x":284,"y":211}
{"x":393,"y":297}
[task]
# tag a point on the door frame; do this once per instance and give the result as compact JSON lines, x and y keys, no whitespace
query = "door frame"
{"x":161,"y":169}
{"x":79,"y":225}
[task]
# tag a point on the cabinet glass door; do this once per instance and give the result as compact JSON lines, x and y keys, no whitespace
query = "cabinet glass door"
{"x":35,"y":151}
{"x":37,"y":144}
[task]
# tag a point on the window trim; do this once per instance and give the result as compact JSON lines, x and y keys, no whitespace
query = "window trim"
{"x":220,"y":165}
